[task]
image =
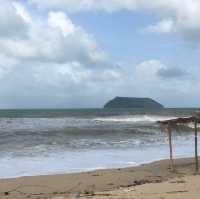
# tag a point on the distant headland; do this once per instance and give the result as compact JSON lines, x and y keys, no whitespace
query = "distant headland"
{"x":133,"y":102}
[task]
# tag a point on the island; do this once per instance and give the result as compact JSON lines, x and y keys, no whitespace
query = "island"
{"x":133,"y":102}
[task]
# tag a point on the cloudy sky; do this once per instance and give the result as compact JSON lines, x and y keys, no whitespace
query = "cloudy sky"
{"x":81,"y":53}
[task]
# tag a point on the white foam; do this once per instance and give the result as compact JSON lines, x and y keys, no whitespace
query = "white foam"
{"x":41,"y":159}
{"x":134,"y":118}
{"x":85,"y":160}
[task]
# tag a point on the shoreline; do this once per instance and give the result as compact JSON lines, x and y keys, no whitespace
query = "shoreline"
{"x":89,"y":169}
{"x":84,"y":183}
{"x":94,"y":169}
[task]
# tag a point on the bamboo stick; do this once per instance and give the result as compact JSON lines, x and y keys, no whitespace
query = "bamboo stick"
{"x":196,"y":147}
{"x":170,"y":147}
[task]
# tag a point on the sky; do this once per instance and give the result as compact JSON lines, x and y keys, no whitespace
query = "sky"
{"x":82,"y":53}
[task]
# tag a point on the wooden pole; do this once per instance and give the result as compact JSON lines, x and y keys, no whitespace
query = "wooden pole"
{"x":170,"y":147}
{"x":196,"y":147}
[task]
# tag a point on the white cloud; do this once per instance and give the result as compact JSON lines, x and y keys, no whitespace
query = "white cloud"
{"x":21,"y":11}
{"x":164,"y":26}
{"x":149,"y":79}
{"x":11,"y":23}
{"x":61,"y":21}
{"x":48,"y":61}
{"x":53,"y":65}
{"x":55,"y":39}
{"x":181,"y":16}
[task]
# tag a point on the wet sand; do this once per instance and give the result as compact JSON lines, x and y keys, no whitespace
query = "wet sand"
{"x":154,"y":180}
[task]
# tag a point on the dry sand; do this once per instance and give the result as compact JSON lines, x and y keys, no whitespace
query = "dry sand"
{"x":153,"y":181}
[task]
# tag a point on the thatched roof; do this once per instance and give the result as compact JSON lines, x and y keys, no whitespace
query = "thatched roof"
{"x":182,"y":120}
{"x":169,"y":125}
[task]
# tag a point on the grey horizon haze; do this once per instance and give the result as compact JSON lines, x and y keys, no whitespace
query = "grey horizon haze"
{"x":82,"y":53}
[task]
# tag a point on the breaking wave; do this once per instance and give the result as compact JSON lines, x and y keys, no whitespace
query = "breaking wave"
{"x":135,"y":118}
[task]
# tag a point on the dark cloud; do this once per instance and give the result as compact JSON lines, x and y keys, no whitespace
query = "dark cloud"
{"x":172,"y":73}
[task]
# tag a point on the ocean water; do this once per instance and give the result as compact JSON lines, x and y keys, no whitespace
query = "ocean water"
{"x":38,"y":142}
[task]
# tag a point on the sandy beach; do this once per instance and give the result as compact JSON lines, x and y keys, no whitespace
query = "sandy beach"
{"x":154,"y":180}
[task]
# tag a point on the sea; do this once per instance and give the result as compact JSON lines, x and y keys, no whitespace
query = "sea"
{"x":55,"y":141}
